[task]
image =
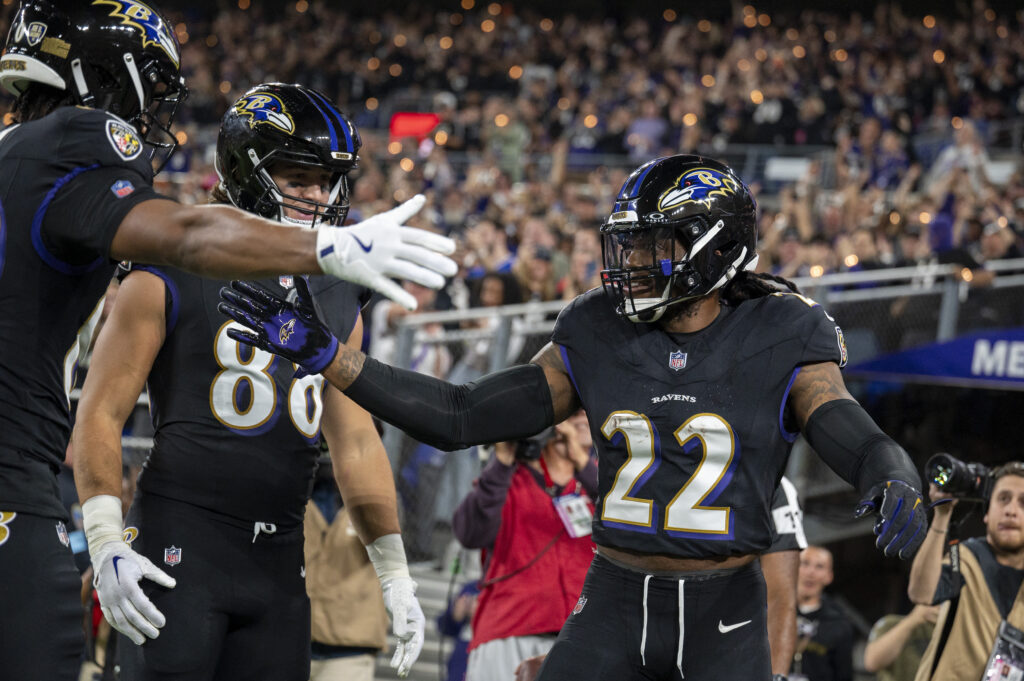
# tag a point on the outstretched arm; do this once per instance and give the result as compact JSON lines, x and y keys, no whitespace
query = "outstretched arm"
{"x":849,"y":441}
{"x":506,"y":405}
{"x":224,"y":242}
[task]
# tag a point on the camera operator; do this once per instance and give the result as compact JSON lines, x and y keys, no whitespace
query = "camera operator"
{"x":531,"y":511}
{"x":981,"y":580}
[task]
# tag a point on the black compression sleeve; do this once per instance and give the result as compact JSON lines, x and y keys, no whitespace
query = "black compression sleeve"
{"x":506,"y":405}
{"x":849,"y":441}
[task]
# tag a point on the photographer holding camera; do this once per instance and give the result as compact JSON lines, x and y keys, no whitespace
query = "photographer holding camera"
{"x":977,"y":635}
{"x":530,"y":510}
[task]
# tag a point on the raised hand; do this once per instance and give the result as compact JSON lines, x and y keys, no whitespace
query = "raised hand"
{"x":289,"y":328}
{"x":380,"y":248}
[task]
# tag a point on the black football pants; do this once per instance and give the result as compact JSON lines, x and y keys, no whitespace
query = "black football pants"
{"x":41,"y":612}
{"x":239,"y":611}
{"x":693,"y":626}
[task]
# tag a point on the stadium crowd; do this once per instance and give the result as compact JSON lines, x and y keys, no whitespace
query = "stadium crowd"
{"x":540,"y":119}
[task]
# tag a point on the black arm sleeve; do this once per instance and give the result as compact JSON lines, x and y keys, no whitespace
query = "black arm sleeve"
{"x":849,"y":441}
{"x":507,"y":405}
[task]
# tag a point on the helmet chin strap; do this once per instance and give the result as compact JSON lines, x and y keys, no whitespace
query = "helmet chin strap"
{"x":642,"y":312}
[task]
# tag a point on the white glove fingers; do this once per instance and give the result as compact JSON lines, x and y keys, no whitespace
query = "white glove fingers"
{"x":152,"y":572}
{"x":404,"y":269}
{"x":418,"y":255}
{"x":138,"y":615}
{"x":117,"y":619}
{"x":394,"y":291}
{"x":149,"y":615}
{"x":406,"y":210}
{"x":427,"y":239}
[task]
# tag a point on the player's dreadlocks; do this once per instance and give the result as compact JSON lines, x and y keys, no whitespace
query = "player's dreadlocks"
{"x":748,"y":285}
{"x":37,"y":101}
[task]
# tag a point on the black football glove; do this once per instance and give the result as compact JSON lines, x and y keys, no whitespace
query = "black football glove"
{"x":289,"y":328}
{"x":902,"y":522}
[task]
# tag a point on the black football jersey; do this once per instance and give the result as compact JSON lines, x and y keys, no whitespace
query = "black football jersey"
{"x":66,"y":182}
{"x":236,"y":431}
{"x":691,"y":429}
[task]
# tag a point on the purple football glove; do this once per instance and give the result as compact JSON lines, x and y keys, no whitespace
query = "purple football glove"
{"x":902,"y":522}
{"x":289,"y":328}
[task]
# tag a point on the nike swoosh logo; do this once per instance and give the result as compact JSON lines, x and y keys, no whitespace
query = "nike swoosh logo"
{"x":118,"y":577}
{"x":726,"y":628}
{"x":366,"y":249}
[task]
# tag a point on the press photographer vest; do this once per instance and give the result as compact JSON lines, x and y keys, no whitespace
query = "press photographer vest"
{"x":975,"y":622}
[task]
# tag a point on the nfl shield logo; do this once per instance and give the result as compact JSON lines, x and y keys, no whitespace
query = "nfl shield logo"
{"x":62,"y":534}
{"x":286,"y":281}
{"x":35,"y":33}
{"x":122,"y":188}
{"x":579,"y":605}
{"x":172,"y":556}
{"x":677,"y":360}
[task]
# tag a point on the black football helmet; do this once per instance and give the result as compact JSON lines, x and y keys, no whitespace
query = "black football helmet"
{"x":117,"y":55}
{"x":279,"y":123}
{"x":682,"y":226}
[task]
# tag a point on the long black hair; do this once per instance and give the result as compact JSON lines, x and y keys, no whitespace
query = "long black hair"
{"x":749,"y":285}
{"x":37,"y":101}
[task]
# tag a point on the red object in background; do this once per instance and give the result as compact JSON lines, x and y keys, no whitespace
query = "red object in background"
{"x":411,"y":124}
{"x":97,"y":614}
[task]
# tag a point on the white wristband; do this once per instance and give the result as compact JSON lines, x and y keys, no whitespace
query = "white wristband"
{"x":101,"y":518}
{"x":387,"y":553}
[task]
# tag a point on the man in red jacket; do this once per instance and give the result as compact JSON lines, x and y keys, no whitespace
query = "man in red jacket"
{"x":530,"y":510}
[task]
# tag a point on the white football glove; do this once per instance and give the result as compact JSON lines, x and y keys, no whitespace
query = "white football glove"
{"x":117,"y":572}
{"x":407,"y":621}
{"x":387,"y":553}
{"x":375,"y":251}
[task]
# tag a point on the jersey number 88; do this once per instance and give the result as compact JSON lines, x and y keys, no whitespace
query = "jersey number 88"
{"x":304,"y":400}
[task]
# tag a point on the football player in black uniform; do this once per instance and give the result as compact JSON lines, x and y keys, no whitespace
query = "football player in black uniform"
{"x":696,"y":375}
{"x":97,"y":83}
{"x":221,"y":498}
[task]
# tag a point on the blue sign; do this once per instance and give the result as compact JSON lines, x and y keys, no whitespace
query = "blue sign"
{"x":987,"y":359}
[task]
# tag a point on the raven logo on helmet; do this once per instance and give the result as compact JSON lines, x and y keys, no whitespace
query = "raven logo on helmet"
{"x":698,"y":186}
{"x":152,"y":27}
{"x":263,"y":107}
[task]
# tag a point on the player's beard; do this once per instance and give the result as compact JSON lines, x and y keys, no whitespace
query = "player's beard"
{"x":1007,"y":547}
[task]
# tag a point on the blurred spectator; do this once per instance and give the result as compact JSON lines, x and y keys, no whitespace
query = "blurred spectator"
{"x":966,"y":153}
{"x":531,"y":510}
{"x":454,"y":623}
{"x":349,"y":622}
{"x":897,"y":643}
{"x":825,"y":645}
{"x":427,"y":358}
